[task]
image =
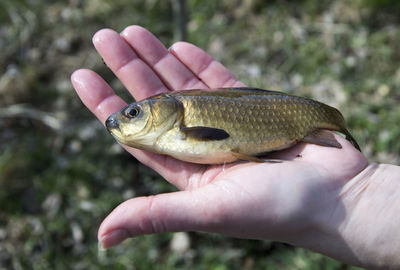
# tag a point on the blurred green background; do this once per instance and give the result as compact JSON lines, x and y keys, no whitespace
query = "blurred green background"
{"x":61,"y":173}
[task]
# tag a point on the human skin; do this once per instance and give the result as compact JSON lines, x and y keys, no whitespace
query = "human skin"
{"x":326,"y":199}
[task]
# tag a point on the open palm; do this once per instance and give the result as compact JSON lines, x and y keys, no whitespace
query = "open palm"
{"x":253,"y":200}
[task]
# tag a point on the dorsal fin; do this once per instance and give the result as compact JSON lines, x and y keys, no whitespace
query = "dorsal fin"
{"x":226,"y":92}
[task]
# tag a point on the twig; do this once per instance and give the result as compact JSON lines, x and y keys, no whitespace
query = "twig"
{"x":180,"y":19}
{"x":22,"y":110}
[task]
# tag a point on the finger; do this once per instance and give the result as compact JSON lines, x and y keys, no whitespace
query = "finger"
{"x":96,"y":94}
{"x":172,"y":72}
{"x":101,"y":100}
{"x":136,"y":75}
{"x":210,"y":71}
{"x":170,"y":212}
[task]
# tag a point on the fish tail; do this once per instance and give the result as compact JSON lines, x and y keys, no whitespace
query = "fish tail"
{"x":351,"y":139}
{"x":340,"y":123}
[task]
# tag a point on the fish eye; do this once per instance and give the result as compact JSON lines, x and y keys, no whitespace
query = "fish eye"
{"x":132,"y":112}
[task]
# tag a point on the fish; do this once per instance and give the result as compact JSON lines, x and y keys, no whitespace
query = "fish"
{"x":218,"y":126}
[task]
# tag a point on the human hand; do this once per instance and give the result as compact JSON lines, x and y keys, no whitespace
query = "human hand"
{"x":298,"y":201}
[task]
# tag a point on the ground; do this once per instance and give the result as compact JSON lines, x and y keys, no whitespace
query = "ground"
{"x":61,"y":173}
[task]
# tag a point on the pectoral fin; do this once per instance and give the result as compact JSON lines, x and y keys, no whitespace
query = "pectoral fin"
{"x":205,"y":133}
{"x":322,"y":137}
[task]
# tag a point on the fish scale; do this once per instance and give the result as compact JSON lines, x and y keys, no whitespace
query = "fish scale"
{"x":246,"y":117}
{"x":224,"y":125}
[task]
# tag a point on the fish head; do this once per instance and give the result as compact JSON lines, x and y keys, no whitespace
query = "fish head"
{"x":141,"y":123}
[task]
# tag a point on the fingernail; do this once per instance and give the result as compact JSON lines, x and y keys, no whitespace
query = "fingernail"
{"x":97,"y":38}
{"x":176,"y":47}
{"x":76,"y":80}
{"x":112,"y":239}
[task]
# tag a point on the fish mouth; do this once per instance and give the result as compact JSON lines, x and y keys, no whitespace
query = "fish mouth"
{"x":111,"y":124}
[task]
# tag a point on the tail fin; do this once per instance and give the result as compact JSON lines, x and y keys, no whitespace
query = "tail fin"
{"x":337,"y":119}
{"x":351,"y":139}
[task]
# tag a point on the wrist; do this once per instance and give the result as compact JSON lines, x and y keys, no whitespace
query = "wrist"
{"x":363,"y":227}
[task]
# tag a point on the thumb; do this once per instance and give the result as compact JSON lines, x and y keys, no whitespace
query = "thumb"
{"x":178,"y":211}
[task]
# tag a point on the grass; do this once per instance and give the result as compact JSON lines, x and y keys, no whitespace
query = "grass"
{"x":57,"y":184}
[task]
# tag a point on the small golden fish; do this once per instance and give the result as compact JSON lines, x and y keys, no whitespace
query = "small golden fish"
{"x":224,"y":125}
